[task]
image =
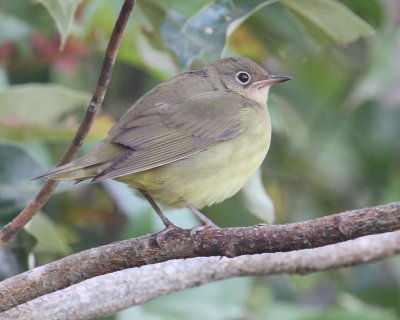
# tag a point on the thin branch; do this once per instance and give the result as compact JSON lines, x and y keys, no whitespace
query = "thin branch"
{"x":12,"y":228}
{"x":178,"y":244}
{"x":104,"y":295}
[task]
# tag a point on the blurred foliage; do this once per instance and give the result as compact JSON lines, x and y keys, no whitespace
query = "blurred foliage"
{"x":335,"y":146}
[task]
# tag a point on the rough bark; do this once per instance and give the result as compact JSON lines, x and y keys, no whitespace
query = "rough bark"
{"x":179,"y":243}
{"x":106,"y":294}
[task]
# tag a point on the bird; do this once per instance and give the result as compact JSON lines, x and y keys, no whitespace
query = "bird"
{"x":192,"y":141}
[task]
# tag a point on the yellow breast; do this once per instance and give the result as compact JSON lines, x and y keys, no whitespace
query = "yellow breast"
{"x":212,"y":175}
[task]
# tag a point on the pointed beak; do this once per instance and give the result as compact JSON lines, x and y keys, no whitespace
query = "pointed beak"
{"x":270,"y":80}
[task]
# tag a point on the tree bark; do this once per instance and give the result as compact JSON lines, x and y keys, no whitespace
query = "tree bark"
{"x":180,"y":243}
{"x":107,"y":294}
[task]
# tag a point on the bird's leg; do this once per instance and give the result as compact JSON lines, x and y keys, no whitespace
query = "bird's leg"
{"x":167,"y":223}
{"x":207,"y":223}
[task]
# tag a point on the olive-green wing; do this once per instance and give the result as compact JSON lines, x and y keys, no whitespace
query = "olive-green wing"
{"x":164,"y":133}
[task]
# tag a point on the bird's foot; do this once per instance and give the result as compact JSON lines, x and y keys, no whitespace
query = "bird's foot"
{"x":169,"y":226}
{"x":204,"y":226}
{"x":161,"y":235}
{"x":207,"y":223}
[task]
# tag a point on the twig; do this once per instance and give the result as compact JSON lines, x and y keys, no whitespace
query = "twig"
{"x":178,"y":244}
{"x":12,"y":228}
{"x":104,"y":295}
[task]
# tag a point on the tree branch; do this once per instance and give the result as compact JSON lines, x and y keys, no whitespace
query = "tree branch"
{"x":131,"y":287}
{"x":178,"y":244}
{"x":12,"y":228}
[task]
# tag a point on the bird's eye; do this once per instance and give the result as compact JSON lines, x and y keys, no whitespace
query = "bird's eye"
{"x":243,"y":77}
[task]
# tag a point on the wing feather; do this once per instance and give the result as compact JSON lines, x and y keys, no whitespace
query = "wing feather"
{"x":164,"y":133}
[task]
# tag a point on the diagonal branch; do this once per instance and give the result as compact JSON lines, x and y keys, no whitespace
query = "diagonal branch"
{"x":178,"y":244}
{"x":131,"y":287}
{"x":12,"y":228}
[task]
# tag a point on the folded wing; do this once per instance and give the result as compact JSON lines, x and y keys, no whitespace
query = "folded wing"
{"x":164,"y":133}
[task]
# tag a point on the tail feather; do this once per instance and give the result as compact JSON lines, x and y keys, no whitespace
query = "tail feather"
{"x":88,"y":166}
{"x":72,"y":172}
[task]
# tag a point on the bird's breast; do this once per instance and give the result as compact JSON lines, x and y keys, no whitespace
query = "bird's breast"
{"x":214,"y":174}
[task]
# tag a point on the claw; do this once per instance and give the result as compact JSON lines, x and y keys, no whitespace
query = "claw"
{"x":162,"y":233}
{"x":204,"y":226}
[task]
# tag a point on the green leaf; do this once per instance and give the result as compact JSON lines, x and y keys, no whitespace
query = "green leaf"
{"x":381,"y":76}
{"x":204,"y":35}
{"x":20,"y":133}
{"x":62,"y":12}
{"x":17,"y":167}
{"x":3,"y":77}
{"x":256,"y":199}
{"x":141,"y":45}
{"x":12,"y":28}
{"x":38,"y":104}
{"x":220,"y":300}
{"x":151,"y":15}
{"x":291,"y":311}
{"x":38,"y":111}
{"x":49,"y":237}
{"x":331,"y":17}
{"x":187,"y":8}
{"x":14,"y":258}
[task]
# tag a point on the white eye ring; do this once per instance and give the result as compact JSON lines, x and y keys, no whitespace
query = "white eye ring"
{"x":243,"y":77}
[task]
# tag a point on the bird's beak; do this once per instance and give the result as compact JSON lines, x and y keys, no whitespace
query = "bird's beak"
{"x":270,"y":80}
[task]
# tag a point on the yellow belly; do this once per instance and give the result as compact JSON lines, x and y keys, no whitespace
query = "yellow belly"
{"x":209,"y":176}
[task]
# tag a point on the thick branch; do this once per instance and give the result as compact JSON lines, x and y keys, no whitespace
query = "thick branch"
{"x":12,"y":228}
{"x":178,"y":244}
{"x":131,"y":287}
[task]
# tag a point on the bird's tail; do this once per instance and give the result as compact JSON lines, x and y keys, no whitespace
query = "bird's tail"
{"x":74,"y":171}
{"x":86,"y":167}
